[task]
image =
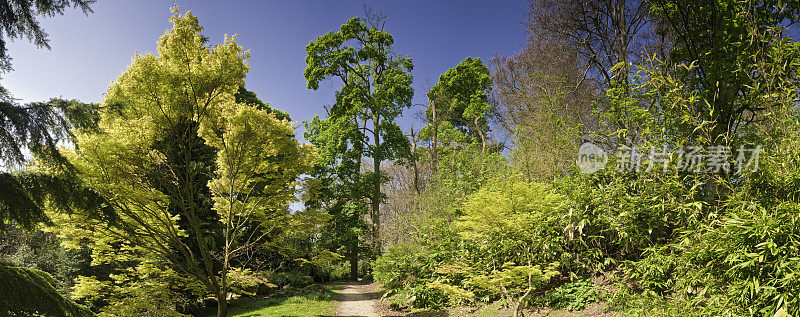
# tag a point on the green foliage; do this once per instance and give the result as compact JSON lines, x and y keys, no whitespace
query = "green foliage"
{"x":459,"y":104}
{"x":294,"y":279}
{"x":502,"y":223}
{"x":517,"y":281}
{"x":355,"y":54}
{"x":337,"y":271}
{"x":198,"y":179}
{"x":185,"y":171}
{"x":247,"y":97}
{"x":32,"y":292}
{"x":512,"y":221}
{"x":145,"y":289}
{"x":25,"y":196}
{"x":43,"y":251}
{"x":571,"y":296}
{"x":18,"y":19}
{"x":39,"y":127}
{"x":360,"y":124}
{"x":746,"y":258}
{"x":430,"y":240}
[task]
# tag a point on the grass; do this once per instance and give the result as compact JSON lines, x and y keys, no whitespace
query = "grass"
{"x":315,"y":303}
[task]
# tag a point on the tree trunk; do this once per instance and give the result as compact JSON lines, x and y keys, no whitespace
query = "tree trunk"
{"x":518,"y":308}
{"x":222,"y":307}
{"x":354,"y":266}
{"x":480,"y":132}
{"x":434,"y":144}
{"x":621,"y":33}
{"x":222,"y":304}
{"x":414,"y":160}
{"x":376,"y":186}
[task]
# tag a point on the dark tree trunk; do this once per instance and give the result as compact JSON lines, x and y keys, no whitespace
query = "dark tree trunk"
{"x":354,"y":266}
{"x":414,"y":161}
{"x":222,"y":305}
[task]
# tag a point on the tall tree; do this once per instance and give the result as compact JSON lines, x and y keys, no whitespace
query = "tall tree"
{"x":461,"y":98}
{"x":376,"y":87}
{"x":727,"y":57}
{"x":35,"y":127}
{"x":606,"y":32}
{"x":196,"y":177}
{"x":38,"y":128}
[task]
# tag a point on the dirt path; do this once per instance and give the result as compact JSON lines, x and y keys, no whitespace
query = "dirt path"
{"x":357,"y":299}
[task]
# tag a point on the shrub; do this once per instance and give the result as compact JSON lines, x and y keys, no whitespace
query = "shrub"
{"x":339,"y":272}
{"x":293,"y":279}
{"x":27,"y":291}
{"x":571,"y":296}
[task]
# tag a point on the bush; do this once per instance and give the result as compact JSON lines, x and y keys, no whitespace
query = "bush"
{"x":571,"y":296}
{"x":339,"y":272}
{"x":293,"y":279}
{"x":402,"y":267}
{"x":32,"y":292}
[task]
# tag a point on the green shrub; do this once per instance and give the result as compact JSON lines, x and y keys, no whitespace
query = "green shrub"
{"x":403,"y":267}
{"x":339,"y":272}
{"x":293,"y":279}
{"x":571,"y":296}
{"x":32,"y":292}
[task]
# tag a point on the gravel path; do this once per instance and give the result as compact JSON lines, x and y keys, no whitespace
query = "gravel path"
{"x":357,"y":299}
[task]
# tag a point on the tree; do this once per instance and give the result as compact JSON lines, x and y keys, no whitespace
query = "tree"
{"x":345,"y":224}
{"x":606,"y":33}
{"x":36,"y":127}
{"x":196,"y":177}
{"x":376,"y":87}
{"x":461,"y":97}
{"x":18,"y":20}
{"x":729,"y":58}
{"x":258,"y":161}
{"x":544,"y":104}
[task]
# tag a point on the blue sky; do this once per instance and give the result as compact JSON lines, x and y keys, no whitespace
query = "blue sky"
{"x":88,"y":52}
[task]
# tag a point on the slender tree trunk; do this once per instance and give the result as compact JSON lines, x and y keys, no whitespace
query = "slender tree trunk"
{"x":194,"y":223}
{"x":621,"y":33}
{"x":414,"y":161}
{"x":434,"y":144}
{"x":376,"y":186}
{"x":480,"y":132}
{"x":222,"y":304}
{"x":222,"y":307}
{"x":518,"y":307}
{"x":354,"y":265}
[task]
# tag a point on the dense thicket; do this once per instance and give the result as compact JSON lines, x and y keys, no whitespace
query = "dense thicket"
{"x":647,"y":236}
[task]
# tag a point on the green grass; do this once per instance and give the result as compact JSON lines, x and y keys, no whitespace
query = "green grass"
{"x":310,"y":304}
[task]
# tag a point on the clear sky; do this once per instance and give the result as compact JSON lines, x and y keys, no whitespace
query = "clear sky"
{"x":88,"y":52}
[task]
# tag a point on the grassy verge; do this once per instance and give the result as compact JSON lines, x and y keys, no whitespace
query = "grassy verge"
{"x":314,"y":302}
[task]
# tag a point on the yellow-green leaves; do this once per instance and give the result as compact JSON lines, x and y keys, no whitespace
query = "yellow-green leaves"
{"x":258,"y":160}
{"x":511,"y":209}
{"x":185,"y":79}
{"x":187,"y":168}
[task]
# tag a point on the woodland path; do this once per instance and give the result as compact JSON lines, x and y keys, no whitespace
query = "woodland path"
{"x":358,"y":299}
